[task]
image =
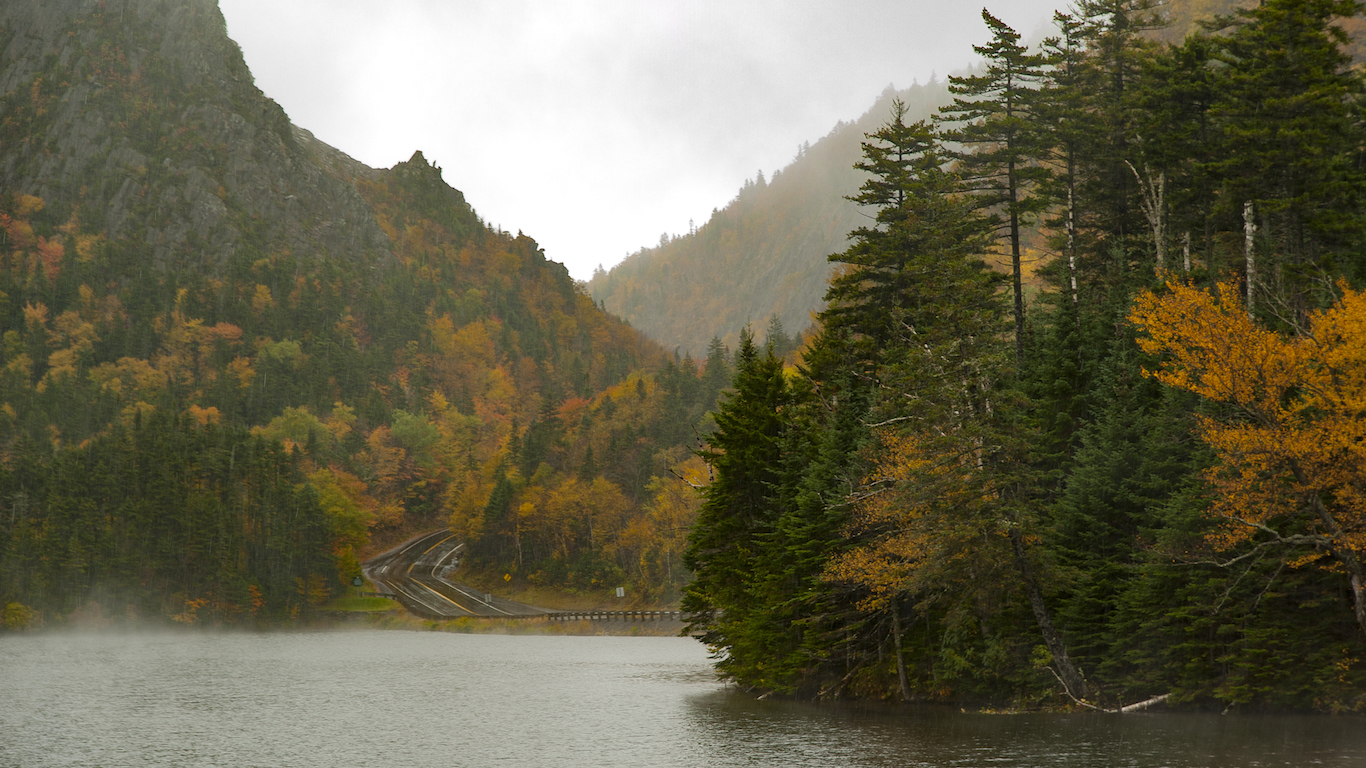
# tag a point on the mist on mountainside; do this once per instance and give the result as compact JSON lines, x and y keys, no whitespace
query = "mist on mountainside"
{"x":761,"y":256}
{"x":234,"y":359}
{"x":1184,"y":18}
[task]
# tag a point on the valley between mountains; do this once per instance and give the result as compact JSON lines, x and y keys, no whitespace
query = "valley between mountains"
{"x":1041,"y":385}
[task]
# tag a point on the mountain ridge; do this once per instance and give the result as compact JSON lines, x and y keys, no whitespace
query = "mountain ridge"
{"x":741,"y":267}
{"x":254,"y":338}
{"x":763,"y":254}
{"x":72,"y":133}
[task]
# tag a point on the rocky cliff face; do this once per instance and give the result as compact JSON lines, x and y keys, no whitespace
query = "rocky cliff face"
{"x":140,"y":120}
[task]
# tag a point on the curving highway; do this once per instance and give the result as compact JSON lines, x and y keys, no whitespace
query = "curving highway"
{"x":417,"y":572}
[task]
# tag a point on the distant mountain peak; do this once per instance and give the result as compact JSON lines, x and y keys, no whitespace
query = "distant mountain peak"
{"x":764,"y":254}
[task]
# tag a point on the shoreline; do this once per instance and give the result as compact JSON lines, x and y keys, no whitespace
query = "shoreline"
{"x":402,"y":621}
{"x":520,"y":626}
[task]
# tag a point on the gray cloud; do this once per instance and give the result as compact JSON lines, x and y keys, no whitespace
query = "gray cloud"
{"x":596,"y":125}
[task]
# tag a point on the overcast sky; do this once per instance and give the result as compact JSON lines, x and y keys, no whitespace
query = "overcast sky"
{"x":595,"y":126}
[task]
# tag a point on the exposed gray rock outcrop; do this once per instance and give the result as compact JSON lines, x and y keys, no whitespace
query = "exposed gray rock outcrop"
{"x":140,"y":117}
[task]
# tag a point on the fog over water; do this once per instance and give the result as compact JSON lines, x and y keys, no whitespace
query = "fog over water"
{"x":427,"y":699}
{"x":597,"y":125}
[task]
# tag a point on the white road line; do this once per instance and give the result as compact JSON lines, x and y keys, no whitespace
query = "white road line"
{"x":409,"y":581}
{"x":463,"y":609}
{"x":476,"y":598}
{"x":401,"y":589}
{"x":408,"y":593}
{"x":409,"y":572}
{"x":442,"y":559}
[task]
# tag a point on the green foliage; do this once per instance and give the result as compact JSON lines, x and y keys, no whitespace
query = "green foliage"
{"x":760,"y":255}
{"x":923,"y":257}
{"x":362,"y":604}
{"x":940,"y":524}
{"x":162,"y":518}
{"x":738,"y":511}
{"x":194,"y":260}
{"x":997,"y":126}
{"x":1290,"y":119}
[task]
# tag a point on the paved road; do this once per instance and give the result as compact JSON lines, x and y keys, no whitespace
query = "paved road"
{"x":417,"y":572}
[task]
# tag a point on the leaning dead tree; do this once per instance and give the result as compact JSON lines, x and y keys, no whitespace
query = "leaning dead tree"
{"x":1154,"y":202}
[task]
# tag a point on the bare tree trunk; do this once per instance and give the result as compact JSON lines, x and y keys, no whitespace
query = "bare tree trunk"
{"x":1160,"y":220}
{"x":1071,"y":677}
{"x":1142,"y":705}
{"x":1072,"y":239}
{"x":1249,"y":253}
{"x":900,"y":664}
{"x":1359,"y":600}
{"x":1186,"y":252}
{"x":1015,"y":262}
{"x":1342,"y":550}
{"x":1154,"y":203}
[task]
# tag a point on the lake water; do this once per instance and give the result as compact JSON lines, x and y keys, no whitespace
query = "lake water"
{"x":419,"y":700}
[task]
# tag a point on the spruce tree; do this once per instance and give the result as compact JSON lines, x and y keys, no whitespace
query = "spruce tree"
{"x":904,"y":272}
{"x":1064,"y":129}
{"x":1291,"y":121}
{"x":1109,"y":213}
{"x":824,"y":459}
{"x":951,"y":474}
{"x":740,"y":507}
{"x":1177,"y":143}
{"x":994,"y":115}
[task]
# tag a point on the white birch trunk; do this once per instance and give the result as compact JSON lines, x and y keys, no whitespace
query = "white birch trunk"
{"x":1154,"y":198}
{"x":1072,"y":241}
{"x":1249,"y":233}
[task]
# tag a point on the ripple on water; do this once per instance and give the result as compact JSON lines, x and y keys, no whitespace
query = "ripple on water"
{"x":304,"y":699}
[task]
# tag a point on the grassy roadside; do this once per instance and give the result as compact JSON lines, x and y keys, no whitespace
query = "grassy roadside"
{"x":557,"y":598}
{"x":383,"y":613}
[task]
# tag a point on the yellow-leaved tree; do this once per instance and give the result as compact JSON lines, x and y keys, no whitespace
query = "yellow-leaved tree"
{"x":1291,"y":445}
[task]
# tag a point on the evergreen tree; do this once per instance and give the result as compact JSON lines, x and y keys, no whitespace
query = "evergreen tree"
{"x":919,"y":515}
{"x":777,"y":337}
{"x":740,"y":508}
{"x":1132,"y":457}
{"x":996,"y":125}
{"x":1291,"y":122}
{"x":1109,"y":214}
{"x":1064,"y":129}
{"x":824,"y":459}
{"x":716,"y":372}
{"x":901,"y":273}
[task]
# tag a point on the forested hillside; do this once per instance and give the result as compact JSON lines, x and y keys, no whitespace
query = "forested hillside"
{"x":763,"y":254}
{"x":1185,"y":17}
{"x":1145,"y":484}
{"x":232,"y":356}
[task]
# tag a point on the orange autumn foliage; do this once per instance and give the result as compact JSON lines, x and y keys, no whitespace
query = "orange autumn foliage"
{"x":1292,"y":448}
{"x":50,"y":254}
{"x":928,"y":516}
{"x":204,"y":416}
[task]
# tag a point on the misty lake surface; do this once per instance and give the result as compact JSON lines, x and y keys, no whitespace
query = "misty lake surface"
{"x":381,"y":698}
